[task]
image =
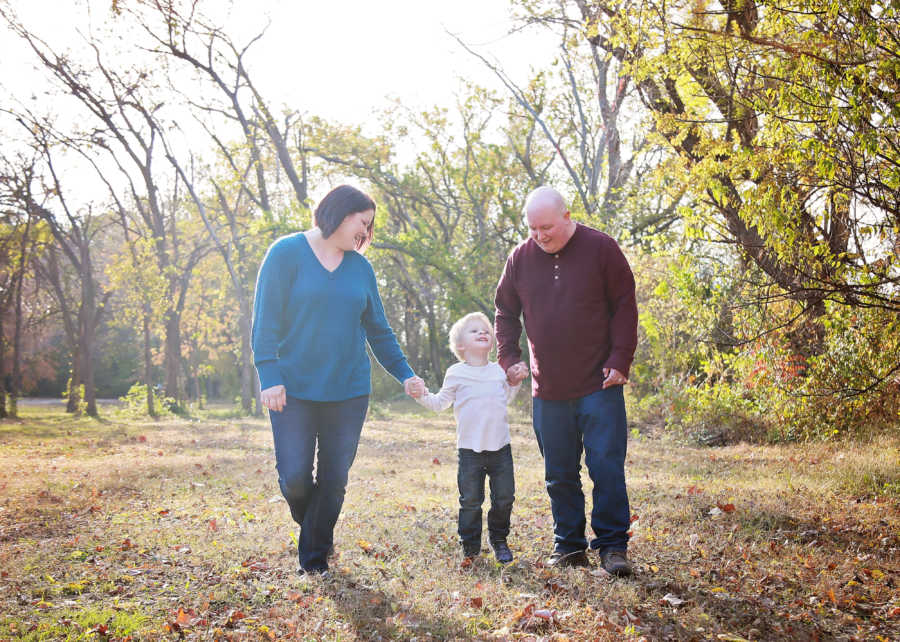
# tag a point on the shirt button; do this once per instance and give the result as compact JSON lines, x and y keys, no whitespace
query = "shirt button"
{"x":555,"y":267}
{"x":556,"y":277}
{"x":556,"y":256}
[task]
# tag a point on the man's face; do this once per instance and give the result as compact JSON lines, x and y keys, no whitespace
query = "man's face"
{"x":549,"y":227}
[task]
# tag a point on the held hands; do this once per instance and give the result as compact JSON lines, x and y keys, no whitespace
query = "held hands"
{"x":274,"y":398}
{"x":613,"y":378}
{"x":414,"y":387}
{"x":516,"y":373}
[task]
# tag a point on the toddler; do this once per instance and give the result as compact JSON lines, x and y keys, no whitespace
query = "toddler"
{"x":479,"y":391}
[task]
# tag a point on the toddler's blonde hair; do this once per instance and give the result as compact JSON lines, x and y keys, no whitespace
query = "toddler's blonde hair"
{"x":458,"y":327}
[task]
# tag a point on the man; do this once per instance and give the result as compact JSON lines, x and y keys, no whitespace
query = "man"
{"x":575,"y":291}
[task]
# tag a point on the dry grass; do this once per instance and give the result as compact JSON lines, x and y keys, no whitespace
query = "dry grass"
{"x":177,"y":529}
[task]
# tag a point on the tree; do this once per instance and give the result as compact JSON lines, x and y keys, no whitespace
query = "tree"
{"x":445,"y":223}
{"x":38,"y":192}
{"x":123,"y":107}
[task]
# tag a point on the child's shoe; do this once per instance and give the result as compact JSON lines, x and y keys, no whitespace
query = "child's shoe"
{"x":471,"y":550}
{"x":502,"y":552}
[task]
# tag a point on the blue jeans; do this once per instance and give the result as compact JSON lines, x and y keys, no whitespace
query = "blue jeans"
{"x":595,"y":424}
{"x":473,"y":467}
{"x":316,"y":503}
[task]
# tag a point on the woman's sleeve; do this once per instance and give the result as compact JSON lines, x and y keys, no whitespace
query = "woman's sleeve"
{"x":381,"y":337}
{"x":268,"y":313}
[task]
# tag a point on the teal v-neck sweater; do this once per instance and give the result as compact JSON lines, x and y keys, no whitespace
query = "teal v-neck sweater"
{"x":310,"y":326}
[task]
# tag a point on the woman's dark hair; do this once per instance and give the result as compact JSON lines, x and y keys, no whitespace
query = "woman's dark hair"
{"x":340,"y":203}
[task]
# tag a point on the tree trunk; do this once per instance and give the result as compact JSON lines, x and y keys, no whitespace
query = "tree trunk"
{"x":246,"y":359}
{"x":172,"y":356}
{"x":434,"y":343}
{"x":16,"y":388}
{"x":87,"y":320}
{"x":148,"y":366}
{"x":87,"y":376}
{"x":3,"y":414}
{"x":73,"y":393}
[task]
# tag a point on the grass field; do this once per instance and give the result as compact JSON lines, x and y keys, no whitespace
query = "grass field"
{"x":176,"y":529}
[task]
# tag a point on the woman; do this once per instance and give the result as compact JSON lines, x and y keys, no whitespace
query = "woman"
{"x":316,"y":306}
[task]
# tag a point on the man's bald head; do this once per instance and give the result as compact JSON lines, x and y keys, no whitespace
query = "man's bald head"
{"x":545,"y":198}
{"x":549,"y":222}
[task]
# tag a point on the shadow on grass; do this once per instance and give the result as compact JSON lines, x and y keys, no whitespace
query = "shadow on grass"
{"x":743,"y":616}
{"x":369,"y":612}
{"x":49,"y":426}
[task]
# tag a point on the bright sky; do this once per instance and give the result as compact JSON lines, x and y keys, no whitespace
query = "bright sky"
{"x":339,"y":59}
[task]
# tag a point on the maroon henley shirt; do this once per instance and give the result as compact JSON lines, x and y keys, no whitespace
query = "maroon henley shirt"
{"x":579,"y":310}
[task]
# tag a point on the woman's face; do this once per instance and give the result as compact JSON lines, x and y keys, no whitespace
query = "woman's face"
{"x":353,"y":230}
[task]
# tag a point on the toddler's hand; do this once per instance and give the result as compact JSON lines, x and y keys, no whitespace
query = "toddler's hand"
{"x":414,"y":387}
{"x":516,"y":373}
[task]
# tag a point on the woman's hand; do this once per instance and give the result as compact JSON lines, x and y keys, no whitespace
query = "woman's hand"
{"x":274,"y":398}
{"x":414,"y":387}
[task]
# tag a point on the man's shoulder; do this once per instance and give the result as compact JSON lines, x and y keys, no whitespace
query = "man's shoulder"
{"x":523,"y":249}
{"x":594,"y":235}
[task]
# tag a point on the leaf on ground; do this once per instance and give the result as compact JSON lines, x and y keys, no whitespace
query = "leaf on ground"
{"x":726,"y":508}
{"x":255,"y":565}
{"x":436,"y":461}
{"x":186,"y":618}
{"x":365,"y":545}
{"x":672,"y":600}
{"x":233,"y":617}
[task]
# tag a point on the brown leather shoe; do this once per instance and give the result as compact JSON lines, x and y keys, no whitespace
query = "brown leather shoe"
{"x":616,"y":563}
{"x":561,"y":559}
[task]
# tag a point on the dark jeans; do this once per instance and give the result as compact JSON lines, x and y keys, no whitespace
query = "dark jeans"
{"x":473,"y":467}
{"x":595,"y":424}
{"x":316,"y":503}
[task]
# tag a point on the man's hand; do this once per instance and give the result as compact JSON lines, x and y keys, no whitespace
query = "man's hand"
{"x":613,"y":378}
{"x":274,"y":398}
{"x":516,"y":373}
{"x":414,"y":387}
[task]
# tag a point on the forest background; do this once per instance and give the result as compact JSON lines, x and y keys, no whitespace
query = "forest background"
{"x":746,"y":155}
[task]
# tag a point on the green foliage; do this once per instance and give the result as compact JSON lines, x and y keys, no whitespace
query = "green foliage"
{"x":134,"y":403}
{"x":851,"y":389}
{"x":711,"y":366}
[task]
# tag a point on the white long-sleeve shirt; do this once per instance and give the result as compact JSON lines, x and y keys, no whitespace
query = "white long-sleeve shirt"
{"x":479,"y":395}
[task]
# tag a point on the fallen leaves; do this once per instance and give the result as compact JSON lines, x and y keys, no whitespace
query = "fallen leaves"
{"x":258,"y":565}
